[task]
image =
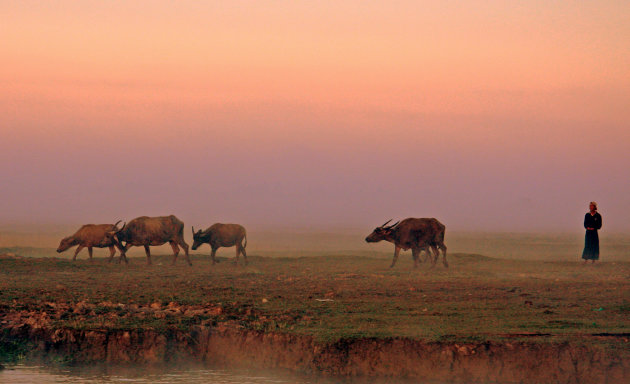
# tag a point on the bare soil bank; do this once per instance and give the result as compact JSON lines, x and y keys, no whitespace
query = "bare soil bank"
{"x":231,"y":346}
{"x":481,"y":320}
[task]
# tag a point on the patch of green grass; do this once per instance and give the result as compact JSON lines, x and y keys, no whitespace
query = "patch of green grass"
{"x":12,"y":350}
{"x":332,"y":296}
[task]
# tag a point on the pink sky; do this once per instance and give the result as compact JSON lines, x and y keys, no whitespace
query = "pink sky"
{"x":493,"y":116}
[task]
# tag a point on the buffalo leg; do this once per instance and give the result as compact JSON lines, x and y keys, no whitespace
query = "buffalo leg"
{"x":175,"y":251}
{"x":214,"y":252}
{"x":183,"y":244}
{"x":112,"y":252}
{"x":243,"y":252}
{"x":436,"y":255}
{"x":443,"y":248}
{"x":416,"y":256}
{"x":427,"y":255}
{"x":123,"y":252}
{"x":148,"y":252}
{"x":396,"y":253}
{"x":76,"y":252}
{"x":90,"y":253}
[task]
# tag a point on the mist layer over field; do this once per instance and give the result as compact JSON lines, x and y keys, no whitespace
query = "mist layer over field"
{"x":297,"y":243}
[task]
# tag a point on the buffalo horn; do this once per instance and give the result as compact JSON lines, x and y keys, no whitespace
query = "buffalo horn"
{"x":386,"y":222}
{"x":393,"y":225}
{"x":116,"y":225}
{"x":193,"y":229}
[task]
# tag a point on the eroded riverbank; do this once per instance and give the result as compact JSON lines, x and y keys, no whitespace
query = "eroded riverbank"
{"x":233,"y":347}
{"x":482,"y":320}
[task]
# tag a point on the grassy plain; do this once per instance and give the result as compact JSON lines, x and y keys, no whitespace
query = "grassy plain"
{"x":331,"y":295}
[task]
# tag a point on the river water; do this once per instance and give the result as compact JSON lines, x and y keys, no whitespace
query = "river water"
{"x":22,"y":374}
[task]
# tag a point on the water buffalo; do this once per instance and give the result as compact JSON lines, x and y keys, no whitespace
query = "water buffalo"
{"x":90,"y":236}
{"x":417,"y":234}
{"x":147,"y":231}
{"x":222,"y":235}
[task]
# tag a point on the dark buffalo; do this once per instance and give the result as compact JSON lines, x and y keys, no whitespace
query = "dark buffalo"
{"x":415,"y":234}
{"x":90,"y":236}
{"x":151,"y":231}
{"x":222,"y":235}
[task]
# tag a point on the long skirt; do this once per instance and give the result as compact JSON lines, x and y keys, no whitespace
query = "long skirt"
{"x":591,"y":246}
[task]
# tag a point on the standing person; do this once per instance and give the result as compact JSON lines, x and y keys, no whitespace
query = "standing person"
{"x":592,"y":222}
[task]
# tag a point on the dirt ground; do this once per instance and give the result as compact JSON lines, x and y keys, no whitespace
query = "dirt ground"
{"x":331,"y":296}
{"x":337,"y":313}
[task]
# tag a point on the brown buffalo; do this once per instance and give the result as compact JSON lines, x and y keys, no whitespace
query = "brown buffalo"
{"x":414,"y":234}
{"x":151,"y":231}
{"x":222,"y":235}
{"x":90,"y":236}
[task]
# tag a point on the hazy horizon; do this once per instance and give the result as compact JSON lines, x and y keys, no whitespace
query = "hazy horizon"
{"x":490,"y":117}
{"x":291,"y":242}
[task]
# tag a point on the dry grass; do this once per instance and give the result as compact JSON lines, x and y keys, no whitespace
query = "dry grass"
{"x":332,"y":296}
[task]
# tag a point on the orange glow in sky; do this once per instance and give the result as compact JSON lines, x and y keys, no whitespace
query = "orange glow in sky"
{"x":437,"y":108}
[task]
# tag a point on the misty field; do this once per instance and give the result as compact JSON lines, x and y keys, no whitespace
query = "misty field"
{"x":330,"y":296}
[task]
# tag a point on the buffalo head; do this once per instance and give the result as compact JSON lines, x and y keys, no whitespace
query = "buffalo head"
{"x":111,"y":235}
{"x":381,"y":233}
{"x":198,"y":238}
{"x":66,"y":243}
{"x":108,"y":238}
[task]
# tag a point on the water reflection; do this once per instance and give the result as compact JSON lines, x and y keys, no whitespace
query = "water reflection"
{"x":22,"y":374}
{"x":45,"y":375}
